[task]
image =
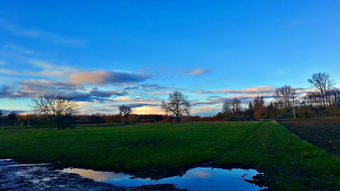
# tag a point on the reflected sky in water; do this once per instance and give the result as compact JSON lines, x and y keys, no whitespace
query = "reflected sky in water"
{"x":200,"y":178}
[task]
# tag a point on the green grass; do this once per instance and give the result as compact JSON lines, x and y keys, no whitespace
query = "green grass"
{"x":288,"y":162}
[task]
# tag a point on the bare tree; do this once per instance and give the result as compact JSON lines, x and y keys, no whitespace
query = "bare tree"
{"x":231,"y":106}
{"x":335,"y":96}
{"x":125,"y":112}
{"x":236,"y":105}
{"x":285,"y":96}
{"x":57,"y":108}
{"x":177,"y":105}
{"x":324,"y":83}
{"x":227,"y":107}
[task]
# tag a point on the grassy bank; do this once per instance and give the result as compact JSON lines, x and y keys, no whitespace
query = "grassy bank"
{"x":288,"y":162}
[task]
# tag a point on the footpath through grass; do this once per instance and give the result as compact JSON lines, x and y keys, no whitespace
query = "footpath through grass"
{"x":288,"y":162}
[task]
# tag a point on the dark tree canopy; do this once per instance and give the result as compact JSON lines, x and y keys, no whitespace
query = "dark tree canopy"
{"x":125,"y":112}
{"x":57,"y":108}
{"x":8,"y":119}
{"x":12,"y":118}
{"x":177,"y":105}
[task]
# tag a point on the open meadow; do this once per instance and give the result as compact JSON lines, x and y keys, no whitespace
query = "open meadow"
{"x":160,"y":150}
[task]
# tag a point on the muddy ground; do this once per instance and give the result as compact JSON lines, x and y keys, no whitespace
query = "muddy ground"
{"x":324,"y":133}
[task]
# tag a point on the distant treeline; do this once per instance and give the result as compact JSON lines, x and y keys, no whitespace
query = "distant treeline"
{"x":9,"y":119}
{"x":256,"y":110}
{"x":14,"y":119}
{"x":259,"y":110}
{"x":286,"y":103}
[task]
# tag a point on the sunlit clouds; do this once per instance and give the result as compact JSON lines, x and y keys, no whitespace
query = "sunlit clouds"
{"x":126,"y":98}
{"x":148,"y":110}
{"x":106,"y":77}
{"x":255,"y":90}
{"x":198,"y":71}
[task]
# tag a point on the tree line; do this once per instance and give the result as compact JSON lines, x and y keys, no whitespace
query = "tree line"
{"x":286,"y":103}
{"x":9,"y":119}
{"x":61,"y":112}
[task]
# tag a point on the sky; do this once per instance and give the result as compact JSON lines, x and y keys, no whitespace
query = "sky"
{"x":103,"y":54}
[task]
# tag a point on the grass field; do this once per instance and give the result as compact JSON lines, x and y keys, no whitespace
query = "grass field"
{"x":288,"y":162}
{"x":322,"y":132}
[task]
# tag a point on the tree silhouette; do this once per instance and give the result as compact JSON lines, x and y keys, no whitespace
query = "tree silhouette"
{"x":177,"y":104}
{"x":236,"y":105}
{"x":125,"y":112}
{"x":286,"y":96}
{"x":56,"y":108}
{"x":11,"y":118}
{"x":324,"y":84}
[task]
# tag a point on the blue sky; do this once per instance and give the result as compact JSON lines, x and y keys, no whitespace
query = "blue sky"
{"x":107,"y":53}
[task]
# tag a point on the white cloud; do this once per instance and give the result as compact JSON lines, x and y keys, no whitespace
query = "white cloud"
{"x":45,"y":69}
{"x":39,"y":34}
{"x":19,"y":49}
{"x":8,"y":72}
{"x":50,"y":70}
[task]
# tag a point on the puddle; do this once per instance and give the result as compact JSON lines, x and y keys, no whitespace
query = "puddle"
{"x":37,"y":177}
{"x":200,"y":178}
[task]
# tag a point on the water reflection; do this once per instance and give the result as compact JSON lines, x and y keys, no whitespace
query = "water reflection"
{"x":200,"y":178}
